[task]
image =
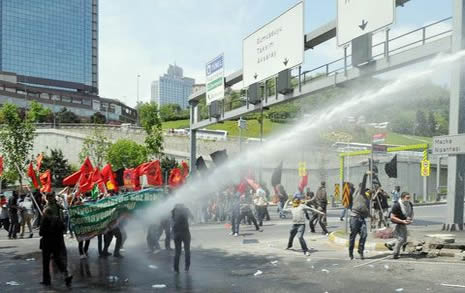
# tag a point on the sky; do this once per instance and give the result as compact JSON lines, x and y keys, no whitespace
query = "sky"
{"x":142,"y":37}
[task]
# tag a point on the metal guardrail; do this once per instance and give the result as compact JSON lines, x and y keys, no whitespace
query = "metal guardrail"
{"x":388,"y":49}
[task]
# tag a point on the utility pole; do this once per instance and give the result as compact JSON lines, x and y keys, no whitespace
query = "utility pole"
{"x":138,"y":78}
{"x":137,"y":102}
{"x":456,"y":164}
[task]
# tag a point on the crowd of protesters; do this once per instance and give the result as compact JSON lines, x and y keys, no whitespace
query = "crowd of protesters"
{"x":236,"y":205}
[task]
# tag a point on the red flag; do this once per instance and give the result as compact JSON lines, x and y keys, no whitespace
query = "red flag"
{"x":85,"y":182}
{"x":135,"y":178}
{"x":242,"y":187}
{"x":185,"y":169}
{"x":1,"y":166}
{"x":97,"y":176}
{"x":176,"y":178}
{"x":303,"y":183}
{"x":253,"y":184}
{"x":39,"y":159}
{"x":131,"y":178}
{"x":32,"y":174}
{"x":127,"y":177}
{"x":46,"y":180}
{"x":152,"y":171}
{"x":109,"y":176}
{"x":87,"y":166}
{"x":72,"y":179}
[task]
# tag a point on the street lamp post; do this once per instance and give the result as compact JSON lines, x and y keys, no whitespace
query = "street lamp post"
{"x":138,"y":78}
{"x":137,"y":102}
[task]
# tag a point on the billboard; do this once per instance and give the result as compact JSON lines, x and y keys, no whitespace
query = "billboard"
{"x":277,"y":46}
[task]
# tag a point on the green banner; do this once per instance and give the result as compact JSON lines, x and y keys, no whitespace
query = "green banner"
{"x":94,"y":218}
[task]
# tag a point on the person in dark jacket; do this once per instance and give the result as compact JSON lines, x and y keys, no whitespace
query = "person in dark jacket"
{"x":235,"y":214}
{"x":108,"y":237}
{"x":52,"y":243}
{"x":283,"y":197}
{"x":402,"y":215}
{"x":180,"y":216}
{"x":13,"y":215}
{"x":360,"y":211}
{"x":320,"y":202}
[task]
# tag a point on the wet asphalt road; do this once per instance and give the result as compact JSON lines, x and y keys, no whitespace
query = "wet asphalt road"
{"x":221,"y":263}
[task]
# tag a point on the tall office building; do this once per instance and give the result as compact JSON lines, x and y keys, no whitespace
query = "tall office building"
{"x":51,"y":43}
{"x":172,"y":88}
{"x":49,"y":54}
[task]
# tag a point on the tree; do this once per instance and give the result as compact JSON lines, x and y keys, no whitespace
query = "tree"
{"x":154,"y":141}
{"x":98,"y":118}
{"x":431,"y":124}
{"x":166,"y":164}
{"x":148,"y":116}
{"x":58,"y":165}
{"x":66,"y":116}
{"x":125,"y":153}
{"x":16,"y":138}
{"x":37,"y":113}
{"x":422,"y":127}
{"x":150,"y":120}
{"x":95,"y":147}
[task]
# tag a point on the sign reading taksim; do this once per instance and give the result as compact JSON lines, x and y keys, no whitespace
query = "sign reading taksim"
{"x":358,"y":17}
{"x":277,"y":46}
{"x":215,"y":79}
{"x":449,"y":145}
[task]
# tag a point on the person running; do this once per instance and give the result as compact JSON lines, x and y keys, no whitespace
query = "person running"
{"x":246,"y":211}
{"x":182,"y":236}
{"x":402,"y":215}
{"x":52,"y":243}
{"x":360,"y":211}
{"x":298,"y":211}
{"x":320,"y":201}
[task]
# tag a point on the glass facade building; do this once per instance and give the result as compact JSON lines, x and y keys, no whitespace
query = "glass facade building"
{"x":172,"y":88}
{"x":50,"y":39}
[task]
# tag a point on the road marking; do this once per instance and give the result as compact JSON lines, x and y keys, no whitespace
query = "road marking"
{"x":425,"y":262}
{"x":373,"y":261}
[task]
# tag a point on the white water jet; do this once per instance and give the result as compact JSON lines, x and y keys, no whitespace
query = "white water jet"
{"x":200,"y":187}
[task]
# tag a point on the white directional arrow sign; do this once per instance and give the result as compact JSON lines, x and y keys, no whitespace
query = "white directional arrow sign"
{"x":277,"y":46}
{"x":358,"y":17}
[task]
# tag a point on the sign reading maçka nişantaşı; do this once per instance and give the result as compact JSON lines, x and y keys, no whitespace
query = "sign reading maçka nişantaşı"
{"x":358,"y":17}
{"x":215,"y":79}
{"x":449,"y":145}
{"x":277,"y":46}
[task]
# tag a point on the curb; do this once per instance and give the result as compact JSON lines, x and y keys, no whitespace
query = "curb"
{"x":375,"y":246}
{"x":339,"y":208}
